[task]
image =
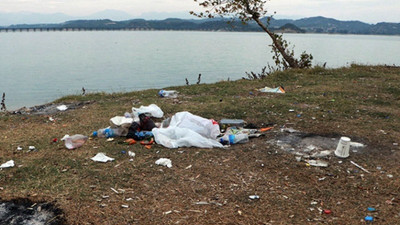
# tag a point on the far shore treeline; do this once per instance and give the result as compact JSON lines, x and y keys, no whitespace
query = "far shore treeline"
{"x":305,"y":25}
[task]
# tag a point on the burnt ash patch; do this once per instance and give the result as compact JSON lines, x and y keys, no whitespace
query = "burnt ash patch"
{"x":25,"y":211}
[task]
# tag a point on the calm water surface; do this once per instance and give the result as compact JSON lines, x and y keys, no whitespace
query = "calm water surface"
{"x":39,"y":67}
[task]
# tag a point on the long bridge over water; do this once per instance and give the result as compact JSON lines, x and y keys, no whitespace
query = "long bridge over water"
{"x":7,"y":29}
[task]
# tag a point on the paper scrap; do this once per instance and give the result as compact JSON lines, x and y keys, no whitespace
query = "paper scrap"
{"x":7,"y":164}
{"x":62,"y":107}
{"x":164,"y":162}
{"x":101,"y":157}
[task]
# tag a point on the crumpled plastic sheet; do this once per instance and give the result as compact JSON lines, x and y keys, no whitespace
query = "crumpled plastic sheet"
{"x":205,"y":127}
{"x":175,"y":137}
{"x":74,"y":141}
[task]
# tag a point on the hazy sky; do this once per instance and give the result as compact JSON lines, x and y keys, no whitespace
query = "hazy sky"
{"x":370,"y":11}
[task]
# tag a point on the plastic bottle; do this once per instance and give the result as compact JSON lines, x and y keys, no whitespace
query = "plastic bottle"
{"x":168,"y":94}
{"x":108,"y":132}
{"x":234,"y":139}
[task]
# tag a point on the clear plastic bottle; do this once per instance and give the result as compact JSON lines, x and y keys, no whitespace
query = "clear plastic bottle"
{"x":168,"y":94}
{"x":108,"y":132}
{"x":234,"y":139}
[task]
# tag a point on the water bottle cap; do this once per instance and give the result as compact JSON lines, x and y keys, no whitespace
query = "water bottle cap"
{"x":94,"y":133}
{"x":369,"y":218}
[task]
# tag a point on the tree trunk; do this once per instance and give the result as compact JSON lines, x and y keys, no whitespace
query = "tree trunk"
{"x":289,"y":59}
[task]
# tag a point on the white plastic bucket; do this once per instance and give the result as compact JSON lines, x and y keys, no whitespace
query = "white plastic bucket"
{"x":343,"y":147}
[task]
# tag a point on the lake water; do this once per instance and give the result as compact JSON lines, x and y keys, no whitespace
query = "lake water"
{"x":39,"y":67}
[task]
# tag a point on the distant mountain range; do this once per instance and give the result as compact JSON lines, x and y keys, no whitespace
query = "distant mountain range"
{"x":7,"y":19}
{"x":305,"y":25}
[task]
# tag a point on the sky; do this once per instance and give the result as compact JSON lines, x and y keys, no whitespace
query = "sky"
{"x":370,"y":11}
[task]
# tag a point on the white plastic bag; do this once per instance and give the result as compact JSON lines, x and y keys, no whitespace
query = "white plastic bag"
{"x":205,"y":127}
{"x":175,"y":137}
{"x":152,"y":109}
{"x":122,"y":123}
{"x":74,"y":141}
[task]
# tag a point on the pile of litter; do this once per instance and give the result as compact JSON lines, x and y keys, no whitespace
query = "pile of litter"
{"x":313,"y":148}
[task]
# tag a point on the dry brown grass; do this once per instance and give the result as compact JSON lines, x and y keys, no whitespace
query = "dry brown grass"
{"x":361,"y":102}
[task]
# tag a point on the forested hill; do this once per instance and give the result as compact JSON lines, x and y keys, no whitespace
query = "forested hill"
{"x":305,"y":25}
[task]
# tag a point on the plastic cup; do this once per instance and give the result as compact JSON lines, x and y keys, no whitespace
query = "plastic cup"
{"x":343,"y":147}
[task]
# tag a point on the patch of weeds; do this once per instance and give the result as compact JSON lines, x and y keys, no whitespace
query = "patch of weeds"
{"x":380,"y":115}
{"x":393,"y":90}
{"x":378,"y":102}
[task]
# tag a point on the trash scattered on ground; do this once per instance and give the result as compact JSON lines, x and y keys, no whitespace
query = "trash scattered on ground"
{"x":130,"y":141}
{"x":101,"y":157}
{"x":7,"y":164}
{"x":311,"y":146}
{"x":272,"y":90}
{"x":356,"y":144}
{"x":147,"y":142}
{"x":234,"y":139}
{"x":131,"y":154}
{"x":74,"y":141}
{"x":188,"y":130}
{"x":175,"y":137}
{"x":254,"y":197}
{"x":32,"y":148}
{"x":389,"y":176}
{"x":19,"y":148}
{"x":201,"y":203}
{"x":168,"y":93}
{"x":343,"y":147}
{"x":360,"y":167}
{"x":152,"y":110}
{"x":109,"y":132}
{"x":225,"y":123}
{"x":110,"y":139}
{"x":164,"y":162}
{"x":62,"y":107}
{"x":188,"y":167}
{"x":121,"y":121}
{"x":327,"y":211}
{"x":369,"y":218}
{"x":317,"y":163}
{"x":371,"y":209}
{"x":125,"y":206}
{"x":321,"y":154}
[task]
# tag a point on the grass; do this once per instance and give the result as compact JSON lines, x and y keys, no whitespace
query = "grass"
{"x":361,"y":102}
